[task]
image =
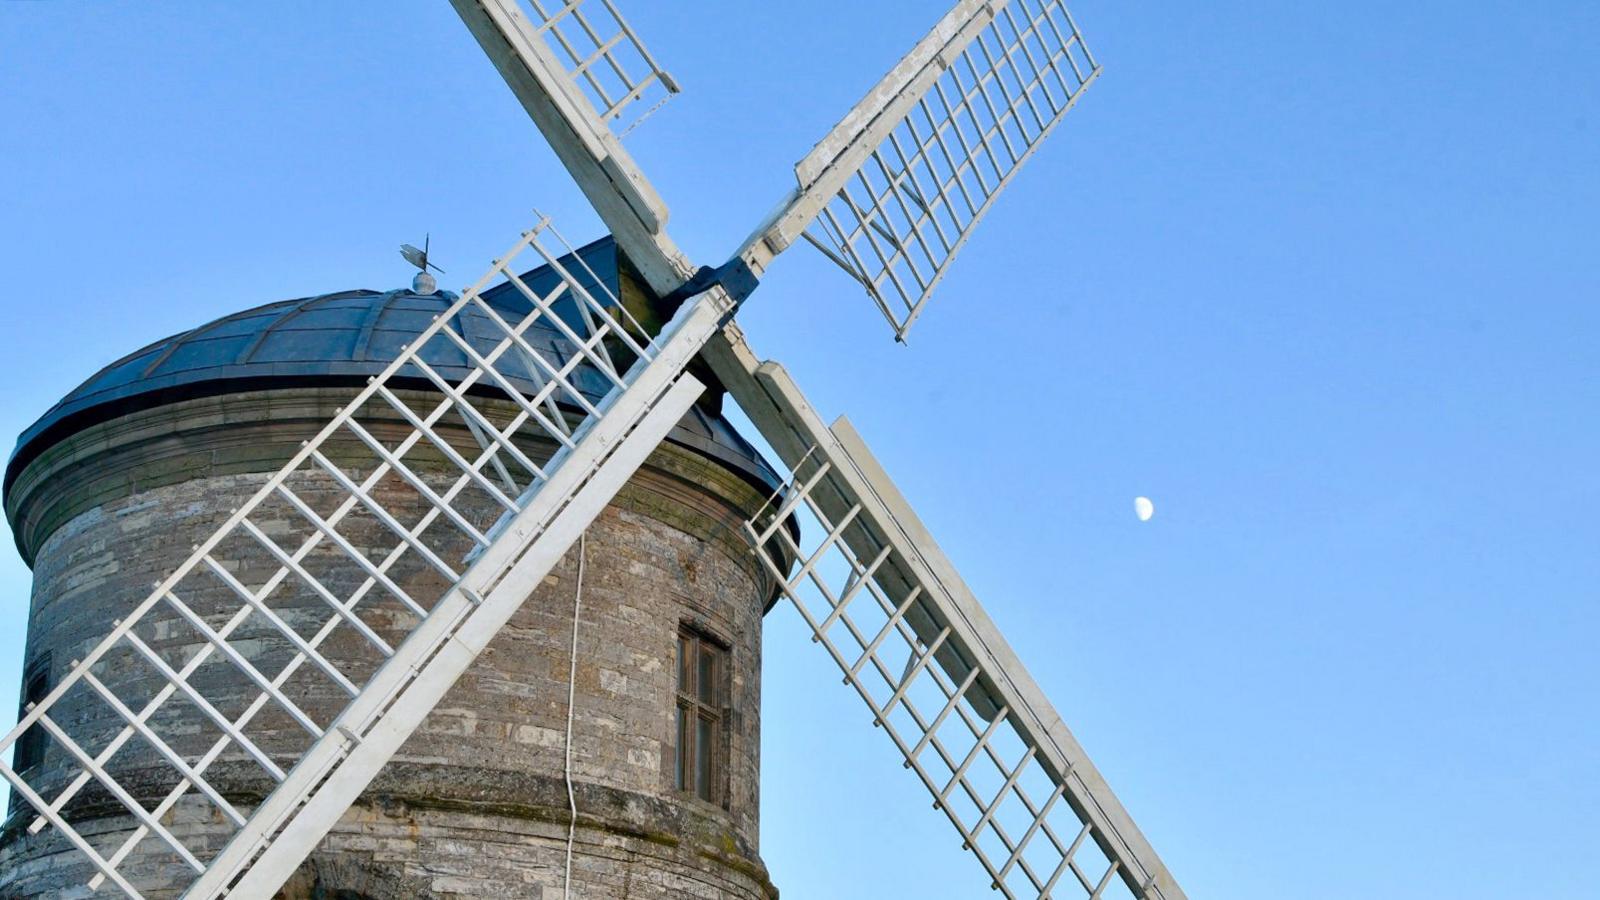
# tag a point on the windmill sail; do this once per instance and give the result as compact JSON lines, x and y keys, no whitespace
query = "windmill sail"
{"x":891,"y":194}
{"x":933,"y":669}
{"x":894,"y":191}
{"x":555,"y":82}
{"x":602,"y":56}
{"x":482,"y":571}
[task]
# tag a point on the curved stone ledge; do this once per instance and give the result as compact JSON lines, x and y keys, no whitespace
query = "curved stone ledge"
{"x":404,"y":790}
{"x":259,"y":432}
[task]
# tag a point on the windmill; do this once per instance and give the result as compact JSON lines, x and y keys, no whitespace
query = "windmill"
{"x":890,"y":195}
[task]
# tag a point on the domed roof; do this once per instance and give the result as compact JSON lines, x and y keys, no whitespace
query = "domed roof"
{"x":343,"y":338}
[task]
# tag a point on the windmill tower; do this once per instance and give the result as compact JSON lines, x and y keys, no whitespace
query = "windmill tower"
{"x":345,"y":603}
{"x":116,"y":482}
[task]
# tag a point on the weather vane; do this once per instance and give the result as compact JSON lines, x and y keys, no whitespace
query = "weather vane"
{"x":423,"y":283}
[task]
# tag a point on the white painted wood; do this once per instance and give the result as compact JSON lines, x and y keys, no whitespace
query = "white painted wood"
{"x":856,"y":496}
{"x":401,"y":693}
{"x":895,"y":190}
{"x":593,"y":459}
{"x":1040,"y":721}
{"x":530,"y":559}
{"x":839,"y":155}
{"x":949,"y":632}
{"x":887,"y":98}
{"x":607,"y":175}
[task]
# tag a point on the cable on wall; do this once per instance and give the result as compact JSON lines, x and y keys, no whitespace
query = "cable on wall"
{"x":572,"y":692}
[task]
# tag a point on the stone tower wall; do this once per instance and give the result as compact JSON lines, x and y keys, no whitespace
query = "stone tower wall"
{"x":474,"y":805}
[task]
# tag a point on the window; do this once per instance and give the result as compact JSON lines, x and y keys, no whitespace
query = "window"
{"x":701,"y":715}
{"x":28,"y":751}
{"x":35,"y":687}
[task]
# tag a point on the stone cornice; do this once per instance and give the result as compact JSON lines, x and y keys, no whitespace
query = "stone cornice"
{"x":257,"y":432}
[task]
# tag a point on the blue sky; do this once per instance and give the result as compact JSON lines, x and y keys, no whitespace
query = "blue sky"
{"x":1320,"y":279}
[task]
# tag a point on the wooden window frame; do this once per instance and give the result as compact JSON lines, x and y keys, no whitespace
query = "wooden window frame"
{"x":700,"y":715}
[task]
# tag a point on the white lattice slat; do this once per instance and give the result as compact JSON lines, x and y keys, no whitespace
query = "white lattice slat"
{"x":481,"y":545}
{"x":894,"y":192}
{"x":937,"y":677}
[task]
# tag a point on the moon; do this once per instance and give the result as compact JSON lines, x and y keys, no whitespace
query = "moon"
{"x":1143,"y":508}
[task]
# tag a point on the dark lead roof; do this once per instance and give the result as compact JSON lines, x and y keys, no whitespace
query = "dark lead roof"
{"x":343,"y":338}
